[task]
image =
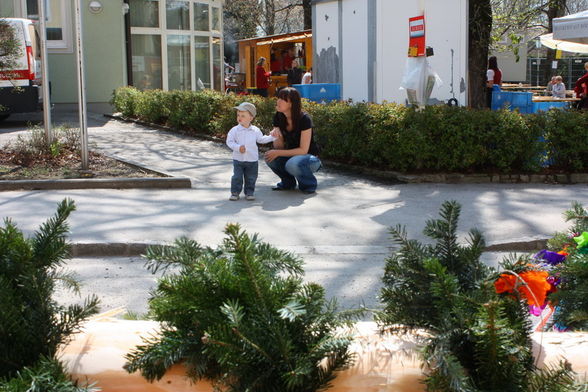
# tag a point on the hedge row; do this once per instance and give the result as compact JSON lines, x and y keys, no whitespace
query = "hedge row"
{"x":390,"y":136}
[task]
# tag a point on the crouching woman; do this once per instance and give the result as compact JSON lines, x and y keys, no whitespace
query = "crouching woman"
{"x":294,"y":156}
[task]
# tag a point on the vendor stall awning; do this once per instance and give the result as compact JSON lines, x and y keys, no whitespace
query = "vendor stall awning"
{"x":566,"y":46}
{"x":572,"y":27}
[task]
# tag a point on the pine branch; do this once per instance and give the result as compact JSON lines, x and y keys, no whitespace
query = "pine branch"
{"x":49,"y":243}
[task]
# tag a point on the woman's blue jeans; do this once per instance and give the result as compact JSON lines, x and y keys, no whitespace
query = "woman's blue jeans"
{"x":299,"y":168}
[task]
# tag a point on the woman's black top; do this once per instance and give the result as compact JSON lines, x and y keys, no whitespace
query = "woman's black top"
{"x":292,"y":138}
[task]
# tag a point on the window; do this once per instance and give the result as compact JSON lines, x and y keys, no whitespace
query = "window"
{"x":178,"y":62}
{"x":144,"y":13}
{"x":215,"y":19}
{"x":177,"y":15}
{"x":201,"y":22}
{"x":202,"y":66}
{"x":176,"y":44}
{"x":57,"y":13}
{"x":216,"y":62}
{"x":147,"y":61}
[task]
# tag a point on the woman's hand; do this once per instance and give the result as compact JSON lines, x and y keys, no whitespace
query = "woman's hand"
{"x":270,"y":155}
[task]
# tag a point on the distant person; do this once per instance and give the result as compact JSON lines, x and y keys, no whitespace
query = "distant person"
{"x":559,"y":88}
{"x":294,"y":74}
{"x":581,"y":89}
{"x":493,"y":77}
{"x":242,"y":139}
{"x":275,"y":64}
{"x":287,"y":58}
{"x":261,"y":77}
{"x":307,"y":77}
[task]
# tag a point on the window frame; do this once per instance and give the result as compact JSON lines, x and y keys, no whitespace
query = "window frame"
{"x":64,"y":45}
{"x":163,"y":31}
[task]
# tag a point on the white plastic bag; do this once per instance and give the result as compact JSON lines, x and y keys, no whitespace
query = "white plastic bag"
{"x":419,"y":80}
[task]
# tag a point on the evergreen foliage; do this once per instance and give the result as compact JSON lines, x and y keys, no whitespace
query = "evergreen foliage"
{"x":571,"y":297}
{"x":32,"y":324}
{"x":475,"y":340}
{"x":241,"y":315}
{"x":48,"y":375}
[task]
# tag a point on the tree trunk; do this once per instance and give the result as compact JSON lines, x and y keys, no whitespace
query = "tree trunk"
{"x":480,"y":26}
{"x":307,"y":7}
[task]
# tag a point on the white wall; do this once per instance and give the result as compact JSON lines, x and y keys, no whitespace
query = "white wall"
{"x":326,"y":38}
{"x":446,"y":29}
{"x":355,"y":50}
{"x":512,"y":71}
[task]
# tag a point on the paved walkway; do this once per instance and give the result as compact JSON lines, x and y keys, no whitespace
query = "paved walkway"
{"x":343,"y":228}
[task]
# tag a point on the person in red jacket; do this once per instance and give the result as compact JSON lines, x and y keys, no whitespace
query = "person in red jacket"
{"x":261,"y":77}
{"x":581,"y":89}
{"x":493,"y":77}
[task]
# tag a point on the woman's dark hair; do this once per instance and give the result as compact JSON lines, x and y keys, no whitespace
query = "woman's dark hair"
{"x":492,"y":63}
{"x":290,"y":94}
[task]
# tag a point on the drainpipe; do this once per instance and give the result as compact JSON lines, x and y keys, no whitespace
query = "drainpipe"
{"x":129,"y":52}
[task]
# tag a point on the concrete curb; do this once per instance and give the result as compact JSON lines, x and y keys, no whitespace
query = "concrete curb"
{"x":97,"y":183}
{"x":122,"y":249}
{"x":398,"y":177}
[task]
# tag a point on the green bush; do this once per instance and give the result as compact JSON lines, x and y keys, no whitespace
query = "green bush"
{"x":32,"y":324}
{"x":150,"y":106}
{"x":567,"y":139}
{"x":241,"y":316}
{"x":391,"y":136}
{"x":124,"y":99}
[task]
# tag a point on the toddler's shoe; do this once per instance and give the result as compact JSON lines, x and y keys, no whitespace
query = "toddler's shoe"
{"x":250,"y":197}
{"x":234,"y":197}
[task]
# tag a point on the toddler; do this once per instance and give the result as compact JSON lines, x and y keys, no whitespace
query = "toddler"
{"x":243,"y":139}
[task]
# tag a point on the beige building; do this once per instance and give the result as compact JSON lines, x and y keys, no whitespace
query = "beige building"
{"x":165,"y":44}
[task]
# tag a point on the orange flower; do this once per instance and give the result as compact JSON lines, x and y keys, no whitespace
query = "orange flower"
{"x":534,"y":281}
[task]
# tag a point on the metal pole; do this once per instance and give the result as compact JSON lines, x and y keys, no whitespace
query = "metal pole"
{"x":45,"y":72}
{"x":81,"y":84}
{"x":537,"y":45}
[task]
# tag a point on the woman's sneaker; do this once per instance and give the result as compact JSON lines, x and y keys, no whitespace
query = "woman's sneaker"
{"x":234,"y":197}
{"x":249,"y":197}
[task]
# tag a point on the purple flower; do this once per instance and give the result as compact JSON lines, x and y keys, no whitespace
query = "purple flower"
{"x":549,"y":257}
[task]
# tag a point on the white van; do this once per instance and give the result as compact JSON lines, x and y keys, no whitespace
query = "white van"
{"x":20,"y":88}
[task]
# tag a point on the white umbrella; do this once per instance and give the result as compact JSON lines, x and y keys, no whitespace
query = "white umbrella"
{"x":566,"y":46}
{"x":572,"y":27}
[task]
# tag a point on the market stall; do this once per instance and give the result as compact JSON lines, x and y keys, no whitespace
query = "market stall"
{"x":279,"y":51}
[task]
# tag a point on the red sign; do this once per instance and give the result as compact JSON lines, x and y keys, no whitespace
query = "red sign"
{"x":416,"y":30}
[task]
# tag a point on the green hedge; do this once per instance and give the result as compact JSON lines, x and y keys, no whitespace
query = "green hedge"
{"x":390,"y":136}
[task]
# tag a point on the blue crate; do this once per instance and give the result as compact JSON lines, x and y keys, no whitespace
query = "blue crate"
{"x":520,"y":99}
{"x":319,"y":92}
{"x":545,"y":106}
{"x":501,"y":99}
